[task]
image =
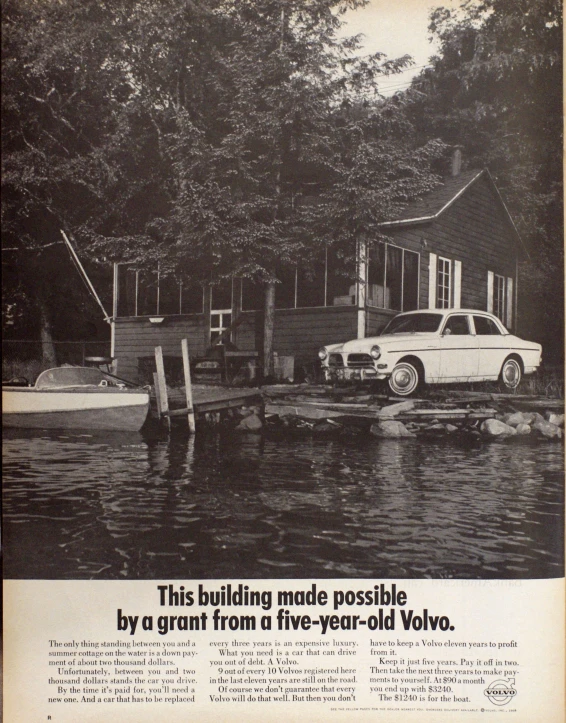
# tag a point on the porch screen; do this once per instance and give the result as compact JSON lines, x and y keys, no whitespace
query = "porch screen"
{"x":169,"y":298}
{"x":327,"y":280}
{"x":340,"y":279}
{"x":311,"y":283}
{"x":143,"y":292}
{"x":147,"y":293}
{"x":285,"y":289}
{"x":221,"y":296}
{"x":192,"y":297}
{"x":127,"y":288}
{"x":253,"y":295}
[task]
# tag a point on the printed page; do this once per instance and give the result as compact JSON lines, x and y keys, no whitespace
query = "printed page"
{"x":266,"y":496}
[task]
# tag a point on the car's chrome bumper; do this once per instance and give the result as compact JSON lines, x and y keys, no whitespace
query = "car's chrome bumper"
{"x":331,"y":373}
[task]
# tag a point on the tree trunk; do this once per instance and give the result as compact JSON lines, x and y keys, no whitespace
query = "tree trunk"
{"x":268,"y":324}
{"x":49,"y":357}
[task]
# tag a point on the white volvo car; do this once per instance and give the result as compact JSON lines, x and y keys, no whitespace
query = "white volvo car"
{"x":435,"y":346}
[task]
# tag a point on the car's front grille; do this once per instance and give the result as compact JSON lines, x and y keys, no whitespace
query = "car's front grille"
{"x":335,"y":360}
{"x":360,"y":361}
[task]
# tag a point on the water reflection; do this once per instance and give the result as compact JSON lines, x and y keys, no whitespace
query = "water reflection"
{"x":133,"y":506}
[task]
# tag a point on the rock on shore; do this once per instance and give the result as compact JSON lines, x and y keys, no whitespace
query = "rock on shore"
{"x":390,"y":428}
{"x":495,"y":428}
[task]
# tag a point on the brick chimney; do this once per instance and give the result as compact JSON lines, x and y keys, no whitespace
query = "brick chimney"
{"x":456,"y":161}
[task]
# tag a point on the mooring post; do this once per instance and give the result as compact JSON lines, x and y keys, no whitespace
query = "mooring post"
{"x":188,"y":385}
{"x":157,"y":394}
{"x":161,"y":386}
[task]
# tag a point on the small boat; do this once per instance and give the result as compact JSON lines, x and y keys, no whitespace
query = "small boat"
{"x":75,"y":397}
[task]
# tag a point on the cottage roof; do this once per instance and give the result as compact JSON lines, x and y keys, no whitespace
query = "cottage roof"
{"x":433,"y":204}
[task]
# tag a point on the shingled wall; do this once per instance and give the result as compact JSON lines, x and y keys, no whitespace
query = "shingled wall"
{"x":475,"y":231}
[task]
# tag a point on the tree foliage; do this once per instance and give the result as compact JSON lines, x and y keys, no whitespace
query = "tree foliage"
{"x":495,"y":90}
{"x":218,"y":137}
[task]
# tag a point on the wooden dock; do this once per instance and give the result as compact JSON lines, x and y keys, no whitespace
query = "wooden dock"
{"x":213,"y":399}
{"x":199,"y":401}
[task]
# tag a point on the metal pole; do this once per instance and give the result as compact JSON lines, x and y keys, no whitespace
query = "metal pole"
{"x":115,"y":302}
{"x":84,"y":275}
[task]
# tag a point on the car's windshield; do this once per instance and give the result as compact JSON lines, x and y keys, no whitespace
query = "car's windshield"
{"x":413,"y":322}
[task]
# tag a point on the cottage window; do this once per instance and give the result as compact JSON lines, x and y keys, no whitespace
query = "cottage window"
{"x":393,"y":278}
{"x":500,"y":297}
{"x":220,"y":308}
{"x":376,"y":293}
{"x":411,"y":262}
{"x":444,"y":282}
{"x":219,"y":322}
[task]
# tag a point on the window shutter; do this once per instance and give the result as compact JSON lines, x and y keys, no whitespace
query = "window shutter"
{"x":432,"y":281}
{"x":457,"y":284}
{"x":490,"y":291}
{"x":509,"y":315}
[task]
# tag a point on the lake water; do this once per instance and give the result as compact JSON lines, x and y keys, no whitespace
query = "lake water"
{"x":136,"y":506}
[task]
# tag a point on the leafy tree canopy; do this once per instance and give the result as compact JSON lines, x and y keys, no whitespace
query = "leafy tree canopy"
{"x":219,"y":137}
{"x":495,"y":90}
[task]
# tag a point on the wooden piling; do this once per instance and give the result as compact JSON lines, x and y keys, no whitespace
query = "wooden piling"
{"x":157,"y":394}
{"x":188,"y":385}
{"x":208,"y":401}
{"x":161,"y":386}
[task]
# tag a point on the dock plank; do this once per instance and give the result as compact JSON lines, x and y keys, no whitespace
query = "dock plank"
{"x":212,"y":399}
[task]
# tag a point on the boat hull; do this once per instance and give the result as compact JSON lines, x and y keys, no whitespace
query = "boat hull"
{"x":113,"y":409}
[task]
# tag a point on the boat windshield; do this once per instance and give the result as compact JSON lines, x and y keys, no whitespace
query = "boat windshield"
{"x":69,"y":377}
{"x":413,"y":322}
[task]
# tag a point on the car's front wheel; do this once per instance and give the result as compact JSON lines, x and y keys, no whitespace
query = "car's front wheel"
{"x":404,"y":379}
{"x":511,"y":373}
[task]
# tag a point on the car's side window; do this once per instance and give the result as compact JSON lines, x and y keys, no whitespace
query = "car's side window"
{"x":457,"y":325}
{"x":485,"y":326}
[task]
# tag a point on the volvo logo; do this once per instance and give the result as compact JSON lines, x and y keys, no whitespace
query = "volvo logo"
{"x":501,"y":691}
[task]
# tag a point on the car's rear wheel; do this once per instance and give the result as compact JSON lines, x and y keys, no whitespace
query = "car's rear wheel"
{"x":404,"y":379}
{"x":511,"y":373}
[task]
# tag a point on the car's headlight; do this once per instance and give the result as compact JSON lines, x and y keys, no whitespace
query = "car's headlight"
{"x":322,"y":353}
{"x":375,"y":352}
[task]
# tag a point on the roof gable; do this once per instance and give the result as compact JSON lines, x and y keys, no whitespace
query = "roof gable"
{"x":433,"y":204}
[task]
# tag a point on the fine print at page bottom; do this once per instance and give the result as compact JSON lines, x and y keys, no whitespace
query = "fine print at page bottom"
{"x":295,"y":650}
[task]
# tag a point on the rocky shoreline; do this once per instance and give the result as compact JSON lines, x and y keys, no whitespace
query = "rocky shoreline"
{"x":325,"y":410}
{"x":473,"y":416}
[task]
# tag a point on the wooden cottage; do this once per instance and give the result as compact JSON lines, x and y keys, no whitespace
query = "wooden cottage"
{"x":455,"y":247}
